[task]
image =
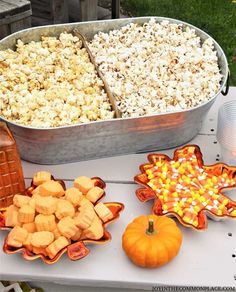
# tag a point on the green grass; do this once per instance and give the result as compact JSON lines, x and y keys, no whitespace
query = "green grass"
{"x":216,"y":17}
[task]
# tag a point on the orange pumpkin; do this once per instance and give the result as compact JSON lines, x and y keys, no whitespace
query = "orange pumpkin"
{"x":151,"y":241}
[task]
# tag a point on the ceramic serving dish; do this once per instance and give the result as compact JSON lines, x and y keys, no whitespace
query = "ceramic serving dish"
{"x":76,"y":250}
{"x":184,"y":187}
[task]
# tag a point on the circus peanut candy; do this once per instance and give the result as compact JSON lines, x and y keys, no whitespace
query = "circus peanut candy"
{"x":42,"y":219}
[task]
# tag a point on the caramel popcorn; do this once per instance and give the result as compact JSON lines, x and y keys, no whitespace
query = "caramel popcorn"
{"x":157,"y":67}
{"x":51,"y":83}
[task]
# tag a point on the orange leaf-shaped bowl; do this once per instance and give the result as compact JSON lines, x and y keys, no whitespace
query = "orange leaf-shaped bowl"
{"x":77,"y":249}
{"x":186,"y":188}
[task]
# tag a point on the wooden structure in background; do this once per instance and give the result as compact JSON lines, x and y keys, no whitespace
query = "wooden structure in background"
{"x":88,"y":10}
{"x":14,"y":15}
{"x":49,"y":11}
{"x":56,"y":11}
{"x":115,"y":10}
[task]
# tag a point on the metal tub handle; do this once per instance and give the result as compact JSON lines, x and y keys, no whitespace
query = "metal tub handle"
{"x":226,"y":90}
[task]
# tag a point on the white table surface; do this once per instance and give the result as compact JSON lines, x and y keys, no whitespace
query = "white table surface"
{"x":205,"y":258}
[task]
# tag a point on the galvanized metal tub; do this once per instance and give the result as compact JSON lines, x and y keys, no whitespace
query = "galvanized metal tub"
{"x":112,"y":137}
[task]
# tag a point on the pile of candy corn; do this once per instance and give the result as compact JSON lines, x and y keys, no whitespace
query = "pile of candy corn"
{"x":184,"y":187}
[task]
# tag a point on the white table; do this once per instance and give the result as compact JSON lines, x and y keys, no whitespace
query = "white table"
{"x":206,"y":258}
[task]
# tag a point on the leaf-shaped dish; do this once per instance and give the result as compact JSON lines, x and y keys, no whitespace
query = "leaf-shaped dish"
{"x":186,"y":188}
{"x":76,"y":250}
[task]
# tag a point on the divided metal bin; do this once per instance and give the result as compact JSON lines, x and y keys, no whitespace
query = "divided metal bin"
{"x":111,"y":137}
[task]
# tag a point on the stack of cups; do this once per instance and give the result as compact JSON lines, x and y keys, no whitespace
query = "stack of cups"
{"x":226,"y":132}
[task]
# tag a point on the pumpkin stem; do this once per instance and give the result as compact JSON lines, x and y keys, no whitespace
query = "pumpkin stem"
{"x":150,"y":230}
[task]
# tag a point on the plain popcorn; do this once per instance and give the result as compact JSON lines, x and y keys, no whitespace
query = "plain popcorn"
{"x":157,"y":67}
